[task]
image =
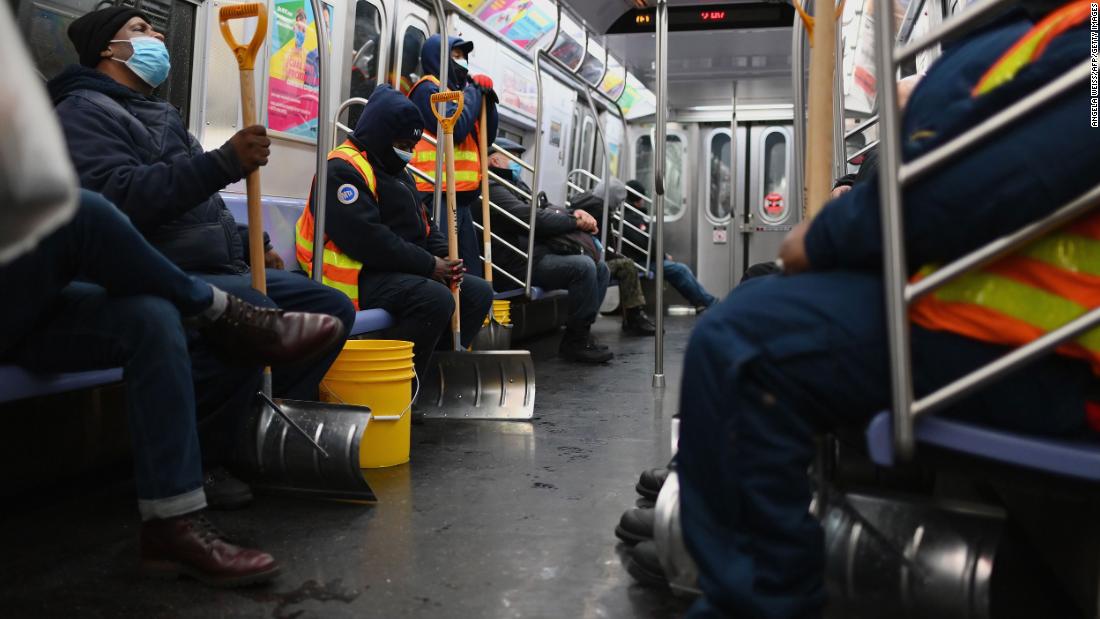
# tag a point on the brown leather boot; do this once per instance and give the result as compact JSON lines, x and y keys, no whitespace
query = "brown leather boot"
{"x":190,"y":545}
{"x":249,"y":334}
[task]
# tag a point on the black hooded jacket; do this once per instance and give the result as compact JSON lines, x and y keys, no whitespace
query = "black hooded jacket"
{"x":390,"y":232}
{"x":135,"y":151}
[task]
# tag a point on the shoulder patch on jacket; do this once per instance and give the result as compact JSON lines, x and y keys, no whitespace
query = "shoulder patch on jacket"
{"x":347,"y":193}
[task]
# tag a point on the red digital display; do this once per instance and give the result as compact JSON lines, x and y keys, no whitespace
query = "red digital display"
{"x":712,"y":15}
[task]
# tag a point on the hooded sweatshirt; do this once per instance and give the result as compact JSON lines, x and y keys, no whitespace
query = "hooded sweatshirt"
{"x":390,"y":233}
{"x":471,"y":101}
{"x":134,"y":150}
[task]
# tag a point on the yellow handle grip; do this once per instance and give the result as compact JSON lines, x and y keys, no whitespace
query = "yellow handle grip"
{"x":246,"y":54}
{"x":447,"y":96}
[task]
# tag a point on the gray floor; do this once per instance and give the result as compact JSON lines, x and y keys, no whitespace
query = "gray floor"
{"x":488,"y":520}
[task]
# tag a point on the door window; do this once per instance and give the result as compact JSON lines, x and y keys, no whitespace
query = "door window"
{"x":718,"y":175}
{"x":773,"y":205}
{"x":674,"y":172}
{"x":411,"y":43}
{"x":365,"y":49}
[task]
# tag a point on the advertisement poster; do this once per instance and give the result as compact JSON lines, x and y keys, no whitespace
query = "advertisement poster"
{"x":860,"y":94}
{"x":517,"y":88}
{"x":292,"y":72}
{"x":522,"y":21}
{"x":471,"y":6}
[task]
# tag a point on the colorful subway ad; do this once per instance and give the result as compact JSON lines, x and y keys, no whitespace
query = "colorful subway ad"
{"x":523,"y":22}
{"x":293,"y":75}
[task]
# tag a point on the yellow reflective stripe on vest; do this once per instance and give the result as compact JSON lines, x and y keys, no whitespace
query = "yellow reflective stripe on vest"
{"x":1022,"y":302}
{"x":428,"y":156}
{"x":349,"y":153}
{"x":1069,"y":252}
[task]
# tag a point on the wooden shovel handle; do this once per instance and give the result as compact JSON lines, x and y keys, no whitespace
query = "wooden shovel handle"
{"x":246,"y":54}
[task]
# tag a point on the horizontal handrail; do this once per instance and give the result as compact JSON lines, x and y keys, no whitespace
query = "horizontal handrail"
{"x":970,"y":17}
{"x":863,"y":151}
{"x":510,"y":216}
{"x":1005,"y":245}
{"x":509,"y":185}
{"x":909,"y":172}
{"x":867,"y":124}
{"x":494,"y":236}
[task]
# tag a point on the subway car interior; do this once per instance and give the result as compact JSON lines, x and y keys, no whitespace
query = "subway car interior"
{"x":693,"y":144}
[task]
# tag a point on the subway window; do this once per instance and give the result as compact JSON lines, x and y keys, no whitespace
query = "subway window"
{"x":676,"y":157}
{"x":643,"y":163}
{"x":718,"y":174}
{"x":411,"y":43}
{"x":366,"y":46}
{"x":773,"y":204}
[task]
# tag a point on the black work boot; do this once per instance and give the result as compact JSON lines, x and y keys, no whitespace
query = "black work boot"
{"x":582,"y":346}
{"x":224,"y":491}
{"x":636,"y":322}
{"x":635,"y":526}
{"x":644,"y":565}
{"x":650,"y":483}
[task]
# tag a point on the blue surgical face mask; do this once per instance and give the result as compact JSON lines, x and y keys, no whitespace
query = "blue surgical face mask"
{"x":299,"y":38}
{"x":404,"y":155}
{"x":149,"y":61}
{"x":517,"y":169}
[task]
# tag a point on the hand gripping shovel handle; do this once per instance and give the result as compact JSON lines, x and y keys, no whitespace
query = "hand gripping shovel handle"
{"x":486,"y":228}
{"x":448,"y":124}
{"x":246,"y":61}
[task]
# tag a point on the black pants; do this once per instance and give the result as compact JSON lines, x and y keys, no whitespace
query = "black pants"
{"x":423,"y":309}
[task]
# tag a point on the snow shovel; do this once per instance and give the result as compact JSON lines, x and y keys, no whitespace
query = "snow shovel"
{"x":310,"y":477}
{"x":495,"y":335}
{"x":498,"y":384}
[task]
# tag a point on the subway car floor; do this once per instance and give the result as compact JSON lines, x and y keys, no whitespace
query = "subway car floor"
{"x":489,"y":519}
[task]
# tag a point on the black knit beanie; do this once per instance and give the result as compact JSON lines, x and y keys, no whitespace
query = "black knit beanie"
{"x":91,"y":33}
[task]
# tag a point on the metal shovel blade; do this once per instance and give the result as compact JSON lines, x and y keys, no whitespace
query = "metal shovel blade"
{"x":280,"y":459}
{"x":494,"y":336}
{"x":492,"y":384}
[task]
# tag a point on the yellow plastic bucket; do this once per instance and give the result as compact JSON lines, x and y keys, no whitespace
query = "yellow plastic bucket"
{"x":379,"y":376}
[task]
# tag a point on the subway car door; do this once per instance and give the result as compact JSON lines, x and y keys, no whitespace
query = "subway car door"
{"x":767,"y":216}
{"x":717,"y":230}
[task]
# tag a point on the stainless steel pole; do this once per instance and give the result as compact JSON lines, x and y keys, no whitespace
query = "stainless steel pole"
{"x":840,"y":162}
{"x":893,"y":235}
{"x":659,"y":188}
{"x":444,"y":71}
{"x":734,"y":248}
{"x":322,"y":138}
{"x":606,"y":174}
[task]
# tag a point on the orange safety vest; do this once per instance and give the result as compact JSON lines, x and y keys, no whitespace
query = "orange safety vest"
{"x":340,"y":271}
{"x":1047,"y":283}
{"x":467,"y":159}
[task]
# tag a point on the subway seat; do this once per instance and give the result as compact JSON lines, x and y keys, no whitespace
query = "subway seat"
{"x":1069,"y":458}
{"x":17,"y":383}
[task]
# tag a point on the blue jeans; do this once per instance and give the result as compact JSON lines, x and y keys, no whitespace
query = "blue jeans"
{"x":126,"y":312}
{"x":585,"y":280}
{"x":224,"y":392}
{"x":681,"y":278}
{"x":423,"y":308}
{"x":783,"y":359}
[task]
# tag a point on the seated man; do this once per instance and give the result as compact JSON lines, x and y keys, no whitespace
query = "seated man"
{"x":127,"y":311}
{"x":133,"y":148}
{"x":785,"y":357}
{"x":382,"y":249}
{"x":584,"y":278}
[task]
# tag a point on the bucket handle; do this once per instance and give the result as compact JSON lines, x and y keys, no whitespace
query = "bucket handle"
{"x":416,"y":392}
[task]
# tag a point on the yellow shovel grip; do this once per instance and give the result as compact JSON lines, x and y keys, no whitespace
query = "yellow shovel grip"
{"x":246,"y":54}
{"x":448,"y":122}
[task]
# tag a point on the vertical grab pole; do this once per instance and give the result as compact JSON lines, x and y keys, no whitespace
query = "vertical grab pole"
{"x":606,"y":174}
{"x":798,"y":126}
{"x":537,"y":163}
{"x":659,"y":189}
{"x":444,"y":85}
{"x":733,"y":187}
{"x":840,"y":152}
{"x":893,"y":236}
{"x":322,"y":135}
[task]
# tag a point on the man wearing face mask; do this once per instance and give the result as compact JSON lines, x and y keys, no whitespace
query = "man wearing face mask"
{"x":133,"y":148}
{"x":474,"y":88}
{"x":382,"y":249}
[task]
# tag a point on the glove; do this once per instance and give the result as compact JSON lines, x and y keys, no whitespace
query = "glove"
{"x":484,"y":83}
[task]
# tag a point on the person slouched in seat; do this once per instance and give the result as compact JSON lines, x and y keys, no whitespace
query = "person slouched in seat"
{"x":86,"y":291}
{"x":133,"y":148}
{"x":786,"y":357}
{"x":382,"y":249}
{"x":578,"y":270}
{"x":475,"y":89}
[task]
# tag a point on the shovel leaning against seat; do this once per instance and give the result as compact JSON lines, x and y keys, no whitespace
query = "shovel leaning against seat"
{"x":305,"y":448}
{"x":496,"y":384}
{"x":495,"y":335}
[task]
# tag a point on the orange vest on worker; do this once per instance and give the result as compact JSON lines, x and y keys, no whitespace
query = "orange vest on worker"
{"x":1046,"y":284}
{"x":467,"y":159}
{"x":339,"y":270}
